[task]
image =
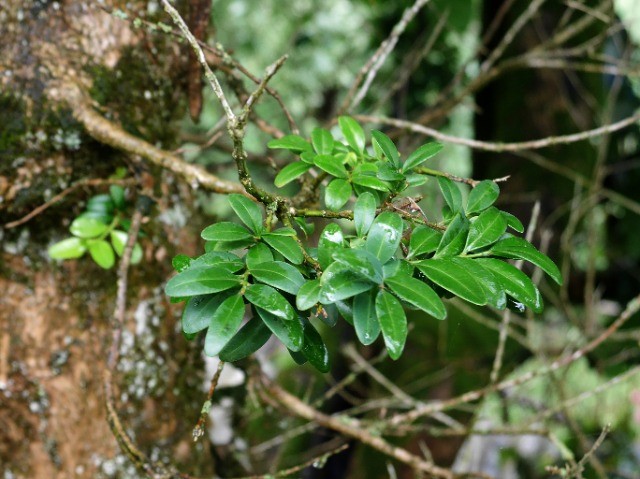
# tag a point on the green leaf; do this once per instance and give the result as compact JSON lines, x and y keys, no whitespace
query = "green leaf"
{"x":201,"y":280}
{"x":314,"y":348}
{"x":364,"y":212}
{"x":330,"y":240}
{"x":266,"y":297}
{"x":180,"y":262}
{"x":387,"y":172}
{"x":285,"y":245}
{"x":251,"y":337}
{"x":224,"y":324}
{"x":84,"y":227}
{"x":290,"y":173}
{"x":258,"y":253}
{"x":279,"y":275}
{"x":513,"y":222}
{"x":421,"y":155}
{"x":454,"y":278}
{"x":117,"y":196}
{"x":199,"y":310}
{"x":248,"y":212}
{"x":308,"y":295}
{"x":284,"y":231}
{"x":414,"y":179}
{"x":105,"y":218}
{"x":298,"y":357}
{"x":360,"y":262}
{"x":353,"y":133}
{"x":451,"y":193}
{"x":423,"y":240}
{"x":391,"y":268}
{"x":220,"y":259}
{"x":293,"y":143}
{"x":102,"y":204}
{"x":370,"y":182}
{"x":393,"y":323}
{"x":454,"y":238}
{"x":290,"y":333}
{"x":483,"y":195}
{"x":69,"y":248}
{"x":493,"y":290}
{"x":332,"y":165}
{"x":384,"y":236}
{"x":417,"y":293}
{"x":225,"y":231}
{"x":337,"y":194}
{"x":365,"y":320}
{"x":322,"y":141}
{"x":102,"y":253}
{"x":514,"y":282}
{"x":385,"y":144}
{"x":487,"y":228}
{"x":338,"y":283}
{"x":518,"y":248}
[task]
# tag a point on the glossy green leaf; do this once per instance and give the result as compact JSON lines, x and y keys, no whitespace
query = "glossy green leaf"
{"x":387,"y":172}
{"x":225,"y":231}
{"x":102,"y":253}
{"x":423,"y":240}
{"x":486,"y":229}
{"x":298,"y":357}
{"x":84,"y":227}
{"x":422,"y":154}
{"x":337,"y":194}
{"x":338,"y":283}
{"x":290,"y":172}
{"x":364,"y":212}
{"x":519,"y":248}
{"x":290,"y":333}
{"x":251,"y":337}
{"x":267,"y":298}
{"x":116,"y":192}
{"x":293,"y":143}
{"x":69,"y":248}
{"x":314,"y":348}
{"x":415,"y":179}
{"x":451,"y":193}
{"x":199,"y":310}
{"x":393,"y":323}
{"x":284,"y":231}
{"x":224,"y":324}
{"x":417,"y":293}
{"x":102,"y":204}
{"x":220,"y":259}
{"x":332,"y":165}
{"x":342,"y":308}
{"x":285,"y":245}
{"x":322,"y":141}
{"x":449,"y":275}
{"x":330,"y":239}
{"x":180,"y":262}
{"x":248,"y":212}
{"x":365,"y":321}
{"x":514,"y":282}
{"x":353,"y":133}
{"x":492,"y":288}
{"x":360,"y":262}
{"x":280,"y":275}
{"x":513,"y":222}
{"x":384,"y":236}
{"x":483,"y":195}
{"x":384,"y":143}
{"x":454,"y":238}
{"x":258,"y":253}
{"x":370,"y":182}
{"x":391,"y":268}
{"x":200,"y":280}
{"x":308,"y":295}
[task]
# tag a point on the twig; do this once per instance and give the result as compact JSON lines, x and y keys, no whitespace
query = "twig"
{"x":198,"y":430}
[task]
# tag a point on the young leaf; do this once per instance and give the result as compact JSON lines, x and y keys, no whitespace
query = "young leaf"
{"x":199,"y":310}
{"x":201,"y":280}
{"x":69,"y":248}
{"x":353,"y":133}
{"x":225,"y":231}
{"x":370,"y":182}
{"x":487,"y":228}
{"x":451,"y":193}
{"x":331,"y":239}
{"x":84,"y":227}
{"x":322,"y":141}
{"x":360,"y":262}
{"x":417,"y":293}
{"x":514,"y":282}
{"x":421,"y":155}
{"x":285,"y":245}
{"x":364,"y":212}
{"x":117,"y":196}
{"x":384,"y":236}
{"x":266,"y":297}
{"x":248,"y":340}
{"x":102,"y":253}
{"x":365,"y":320}
{"x":385,"y":144}
{"x":293,"y":143}
{"x":454,"y":238}
{"x":224,"y":324}
{"x":290,"y":173}
{"x":248,"y":212}
{"x":314,"y":348}
{"x":279,"y":275}
{"x":393,"y":323}
{"x":483,"y":195}
{"x":454,"y":278}
{"x":290,"y":333}
{"x":119,"y":241}
{"x":423,"y":240}
{"x":332,"y":165}
{"x":258,"y":253}
{"x":337,"y":194}
{"x":518,"y":248}
{"x":308,"y":295}
{"x":513,"y":222}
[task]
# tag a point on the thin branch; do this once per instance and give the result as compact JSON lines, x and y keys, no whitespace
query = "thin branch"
{"x":198,"y":430}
